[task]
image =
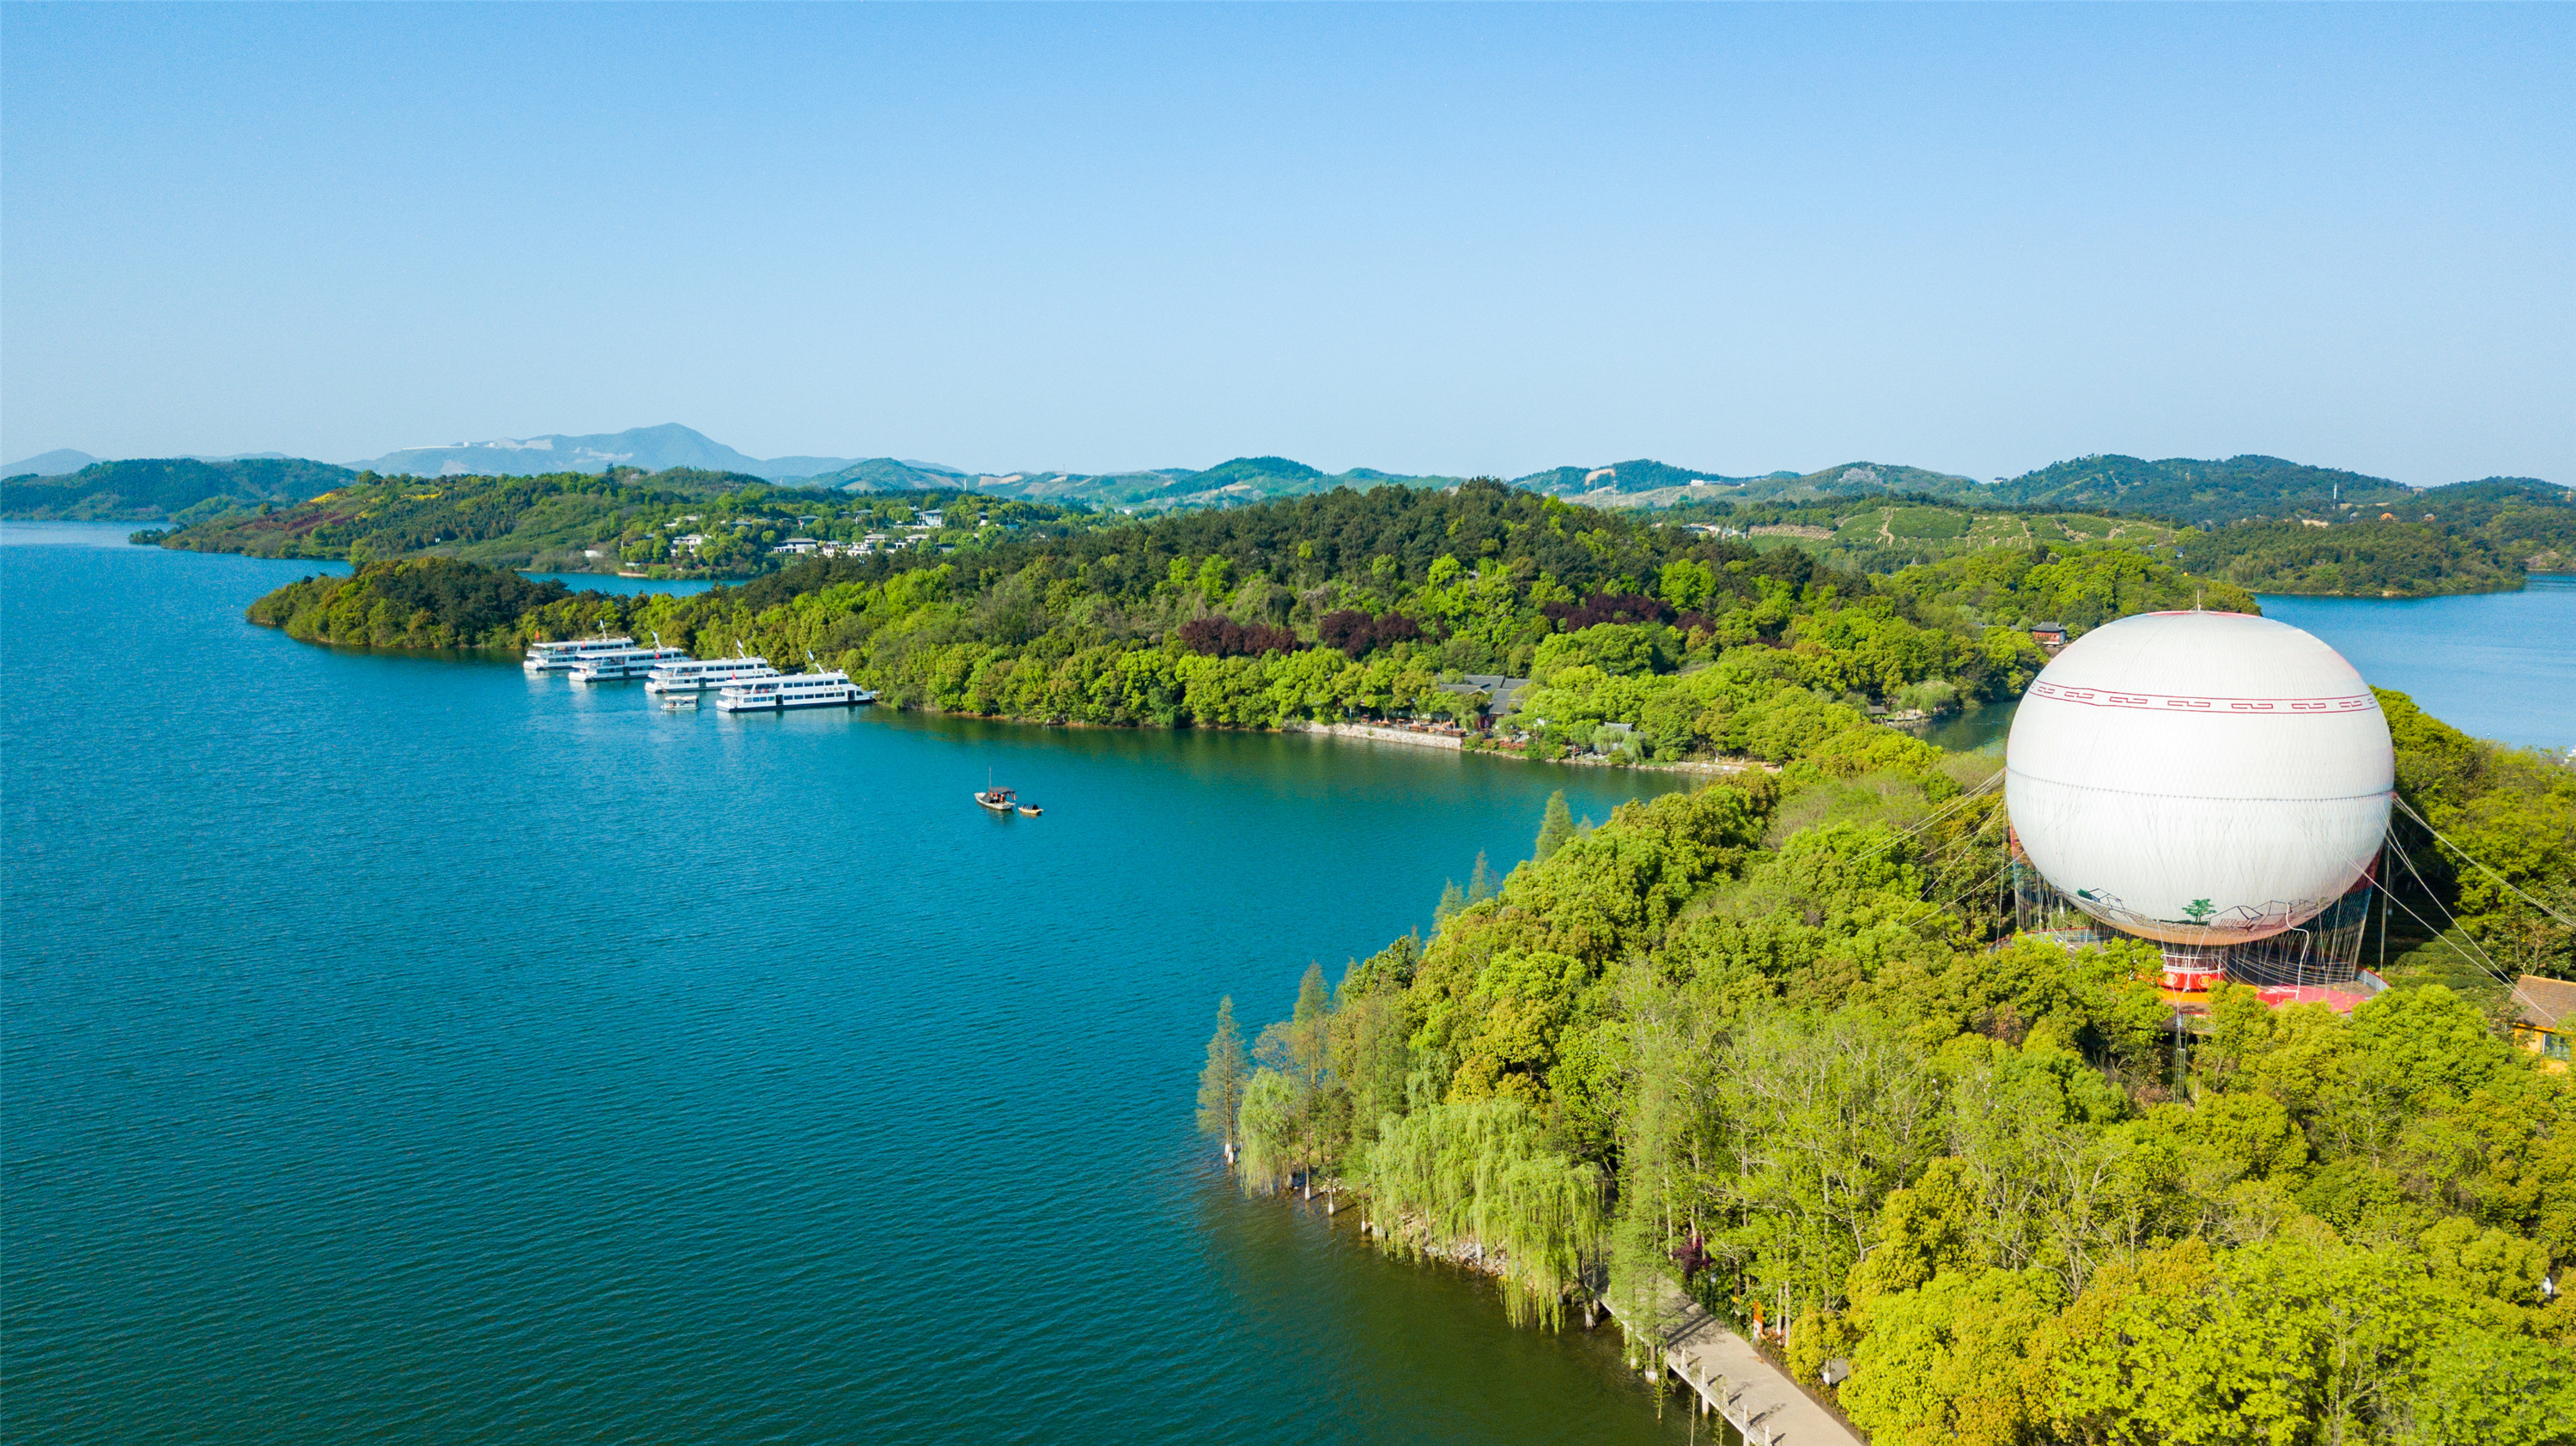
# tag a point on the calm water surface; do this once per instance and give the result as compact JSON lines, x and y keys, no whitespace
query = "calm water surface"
{"x":403,"y":1049}
{"x":2498,"y":665}
{"x":611,"y":583}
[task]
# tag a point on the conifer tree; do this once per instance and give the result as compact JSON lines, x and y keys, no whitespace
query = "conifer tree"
{"x":1557,"y":828}
{"x":1221,"y":1083}
{"x":1310,"y":1026}
{"x":1451,"y":901}
{"x":1482,"y":885}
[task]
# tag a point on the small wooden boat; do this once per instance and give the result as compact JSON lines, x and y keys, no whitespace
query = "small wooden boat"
{"x":1030,"y":810}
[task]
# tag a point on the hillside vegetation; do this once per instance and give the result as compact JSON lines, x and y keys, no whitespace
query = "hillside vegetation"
{"x":2360,"y":559}
{"x":431,"y":603}
{"x":2470,"y":537}
{"x":1766,"y":1043}
{"x":2201,"y":493}
{"x":619,"y":520}
{"x":2260,"y":522}
{"x":1362,"y":604}
{"x":2522,"y":519}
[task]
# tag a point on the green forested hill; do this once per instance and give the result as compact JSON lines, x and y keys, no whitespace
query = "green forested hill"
{"x":2523,"y":519}
{"x":885,"y":474}
{"x":2197,"y":493}
{"x":2468,"y":537}
{"x":1360,"y":604}
{"x":1641,"y":475}
{"x":169,"y":487}
{"x":583,"y":522}
{"x":2356,"y":559}
{"x":2265,"y":523}
{"x":1856,"y":479}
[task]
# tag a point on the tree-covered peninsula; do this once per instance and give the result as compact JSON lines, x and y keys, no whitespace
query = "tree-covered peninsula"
{"x":1362,"y":605}
{"x":1770,"y":1044}
{"x":432,"y":602}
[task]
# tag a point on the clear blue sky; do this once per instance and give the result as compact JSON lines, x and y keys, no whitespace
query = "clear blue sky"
{"x":1451,"y":239}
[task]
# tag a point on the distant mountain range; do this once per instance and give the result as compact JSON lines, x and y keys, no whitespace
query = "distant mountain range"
{"x":63,"y":461}
{"x":654,"y":449}
{"x":68,"y":483}
{"x":59,"y":462}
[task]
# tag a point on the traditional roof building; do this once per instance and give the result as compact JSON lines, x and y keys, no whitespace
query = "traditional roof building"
{"x":2545,"y":1017}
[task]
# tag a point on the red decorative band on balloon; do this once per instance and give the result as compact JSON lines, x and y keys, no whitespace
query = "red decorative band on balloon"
{"x":2172,"y":703}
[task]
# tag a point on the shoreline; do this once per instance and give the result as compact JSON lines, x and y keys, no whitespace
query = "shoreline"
{"x":1718,"y":1371}
{"x":1390,"y":733}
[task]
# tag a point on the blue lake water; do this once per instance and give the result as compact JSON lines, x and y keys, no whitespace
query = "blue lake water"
{"x":2499,"y":665}
{"x":403,"y":1049}
{"x":611,"y":583}
{"x":2496,"y":665}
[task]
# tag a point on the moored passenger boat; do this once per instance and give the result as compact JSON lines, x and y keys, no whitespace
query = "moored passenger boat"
{"x":698,"y":675}
{"x":624,"y":663}
{"x":792,"y":690}
{"x":566,"y":655}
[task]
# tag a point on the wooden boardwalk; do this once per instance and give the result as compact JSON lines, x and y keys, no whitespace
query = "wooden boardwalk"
{"x":1756,"y":1397}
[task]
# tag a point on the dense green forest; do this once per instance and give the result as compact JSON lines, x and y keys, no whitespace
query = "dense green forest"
{"x":2514,"y":809}
{"x":1355,"y":604}
{"x":2265,"y":524}
{"x":432,"y":602}
{"x":2200,"y":493}
{"x":2522,"y":519}
{"x":1768,"y":1043}
{"x":2184,"y":491}
{"x":2367,"y":558}
{"x":676,"y":523}
{"x":2469,"y":537}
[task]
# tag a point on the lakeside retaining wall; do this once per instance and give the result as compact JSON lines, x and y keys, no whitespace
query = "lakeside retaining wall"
{"x":1376,"y":733}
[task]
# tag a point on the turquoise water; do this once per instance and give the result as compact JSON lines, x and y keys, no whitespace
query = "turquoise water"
{"x":403,"y":1049}
{"x":611,"y":583}
{"x":2498,"y":665}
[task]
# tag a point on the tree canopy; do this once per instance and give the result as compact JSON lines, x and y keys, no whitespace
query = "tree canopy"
{"x":1773,"y":1042}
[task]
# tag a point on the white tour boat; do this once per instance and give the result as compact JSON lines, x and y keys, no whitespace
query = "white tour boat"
{"x":563,"y":657}
{"x":624,"y":663}
{"x":698,"y":675}
{"x":792,"y":690}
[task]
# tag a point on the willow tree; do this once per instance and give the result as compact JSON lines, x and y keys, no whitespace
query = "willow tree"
{"x":1666,"y":1160}
{"x":1474,"y":1173}
{"x":1271,"y":1131}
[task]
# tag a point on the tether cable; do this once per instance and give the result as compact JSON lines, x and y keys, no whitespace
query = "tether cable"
{"x":2490,"y":873}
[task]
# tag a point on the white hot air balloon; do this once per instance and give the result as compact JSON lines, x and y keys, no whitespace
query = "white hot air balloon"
{"x":2201,"y":779}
